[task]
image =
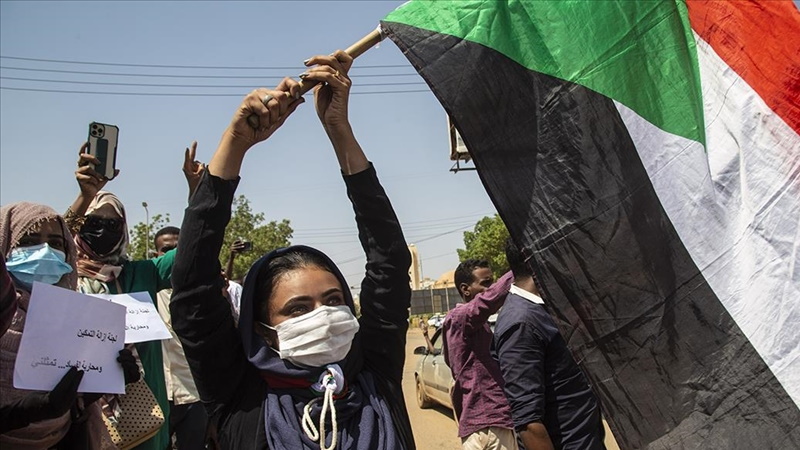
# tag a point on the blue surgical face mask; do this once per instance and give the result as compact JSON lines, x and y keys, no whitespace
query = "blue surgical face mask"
{"x":38,"y":263}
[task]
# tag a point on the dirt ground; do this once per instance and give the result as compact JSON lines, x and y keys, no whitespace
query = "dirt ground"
{"x":435,"y":428}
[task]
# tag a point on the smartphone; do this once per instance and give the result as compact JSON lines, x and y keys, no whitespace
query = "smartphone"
{"x":247,"y":246}
{"x":103,"y":146}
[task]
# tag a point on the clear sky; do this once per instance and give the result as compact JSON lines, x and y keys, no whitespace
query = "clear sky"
{"x":293,"y":175}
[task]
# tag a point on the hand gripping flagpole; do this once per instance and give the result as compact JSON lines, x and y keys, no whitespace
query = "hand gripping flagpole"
{"x":355,"y":50}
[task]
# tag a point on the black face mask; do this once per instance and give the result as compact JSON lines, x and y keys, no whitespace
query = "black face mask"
{"x":101,"y":235}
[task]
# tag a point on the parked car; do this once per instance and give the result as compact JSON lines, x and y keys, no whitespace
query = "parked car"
{"x":436,"y":320}
{"x":432,"y":376}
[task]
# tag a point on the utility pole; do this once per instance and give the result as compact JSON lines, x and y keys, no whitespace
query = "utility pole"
{"x":146,"y":231}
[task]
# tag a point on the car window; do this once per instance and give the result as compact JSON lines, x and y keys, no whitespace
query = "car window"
{"x":437,"y":341}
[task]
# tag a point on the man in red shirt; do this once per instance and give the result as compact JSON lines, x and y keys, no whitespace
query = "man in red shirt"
{"x":484,"y":417}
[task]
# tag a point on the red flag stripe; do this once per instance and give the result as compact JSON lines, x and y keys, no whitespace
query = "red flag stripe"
{"x":759,"y":41}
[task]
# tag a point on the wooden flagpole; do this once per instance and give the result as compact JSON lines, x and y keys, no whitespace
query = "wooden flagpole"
{"x":355,"y":50}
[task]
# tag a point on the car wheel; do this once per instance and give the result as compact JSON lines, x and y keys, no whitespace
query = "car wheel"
{"x":422,"y":400}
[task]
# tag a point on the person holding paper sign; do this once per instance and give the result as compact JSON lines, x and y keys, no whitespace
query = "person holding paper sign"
{"x":97,"y":219}
{"x":299,"y":354}
{"x":37,"y":246}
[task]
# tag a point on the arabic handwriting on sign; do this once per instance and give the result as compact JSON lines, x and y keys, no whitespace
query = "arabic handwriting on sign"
{"x":86,"y":333}
{"x":139,"y":311}
{"x":45,"y":361}
{"x":137,"y":327}
{"x":99,"y":334}
{"x":82,"y":364}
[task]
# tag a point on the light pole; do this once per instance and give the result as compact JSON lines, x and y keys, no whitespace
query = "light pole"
{"x":146,"y":231}
{"x":433,"y":307}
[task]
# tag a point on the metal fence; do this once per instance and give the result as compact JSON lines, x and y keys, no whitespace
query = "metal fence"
{"x":431,"y":301}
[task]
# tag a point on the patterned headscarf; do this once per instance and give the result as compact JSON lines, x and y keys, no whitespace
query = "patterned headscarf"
{"x":16,"y":220}
{"x":95,"y":270}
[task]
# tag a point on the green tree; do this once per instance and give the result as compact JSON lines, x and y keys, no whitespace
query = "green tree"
{"x":141,"y":236}
{"x":245,"y":225}
{"x":487,"y":241}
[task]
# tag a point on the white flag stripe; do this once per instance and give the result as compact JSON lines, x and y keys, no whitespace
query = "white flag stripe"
{"x":736,"y":208}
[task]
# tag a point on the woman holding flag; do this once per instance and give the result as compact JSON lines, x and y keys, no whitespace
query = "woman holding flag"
{"x":301,"y":372}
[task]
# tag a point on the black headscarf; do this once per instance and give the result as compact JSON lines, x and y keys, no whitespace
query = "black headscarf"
{"x":363,"y":416}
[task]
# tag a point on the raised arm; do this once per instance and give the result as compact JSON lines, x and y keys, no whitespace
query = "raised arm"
{"x":331,"y":98}
{"x":477,"y":311}
{"x":90,"y":183}
{"x":192,"y":168}
{"x":236,"y":248}
{"x":385,"y":291}
{"x":431,"y":349}
{"x":201,"y":316}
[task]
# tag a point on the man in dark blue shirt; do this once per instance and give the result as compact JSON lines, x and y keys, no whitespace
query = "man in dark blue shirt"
{"x":551,"y":402}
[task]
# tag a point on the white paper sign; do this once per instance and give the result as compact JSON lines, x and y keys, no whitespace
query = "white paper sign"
{"x":142,"y":323}
{"x":66,"y":329}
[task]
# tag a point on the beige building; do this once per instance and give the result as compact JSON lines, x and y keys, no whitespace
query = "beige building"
{"x":415,"y":274}
{"x":415,"y":271}
{"x":445,"y":281}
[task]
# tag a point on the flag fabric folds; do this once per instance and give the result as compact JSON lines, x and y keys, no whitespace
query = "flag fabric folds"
{"x":648,"y":153}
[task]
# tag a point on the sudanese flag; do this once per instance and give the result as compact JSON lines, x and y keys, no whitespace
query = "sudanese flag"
{"x":648,"y":153}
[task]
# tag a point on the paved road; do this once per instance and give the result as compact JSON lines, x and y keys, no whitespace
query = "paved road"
{"x":435,"y":428}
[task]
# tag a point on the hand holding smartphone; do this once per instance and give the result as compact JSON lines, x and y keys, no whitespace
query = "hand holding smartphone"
{"x":241,"y":246}
{"x":103,"y":146}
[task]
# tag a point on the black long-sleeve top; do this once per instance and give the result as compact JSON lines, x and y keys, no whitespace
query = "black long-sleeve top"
{"x":542,"y":381}
{"x":229,"y":385}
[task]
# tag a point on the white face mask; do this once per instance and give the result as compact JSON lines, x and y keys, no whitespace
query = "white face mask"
{"x":318,"y":338}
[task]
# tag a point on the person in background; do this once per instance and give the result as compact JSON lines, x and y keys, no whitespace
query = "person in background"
{"x":484,"y":417}
{"x":237,"y":248}
{"x":233,"y":292}
{"x":37,"y":247}
{"x":188,"y":418}
{"x":98,"y":222}
{"x":300,"y":372}
{"x":551,"y":401}
{"x":423,"y":325}
{"x":166,"y":239}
